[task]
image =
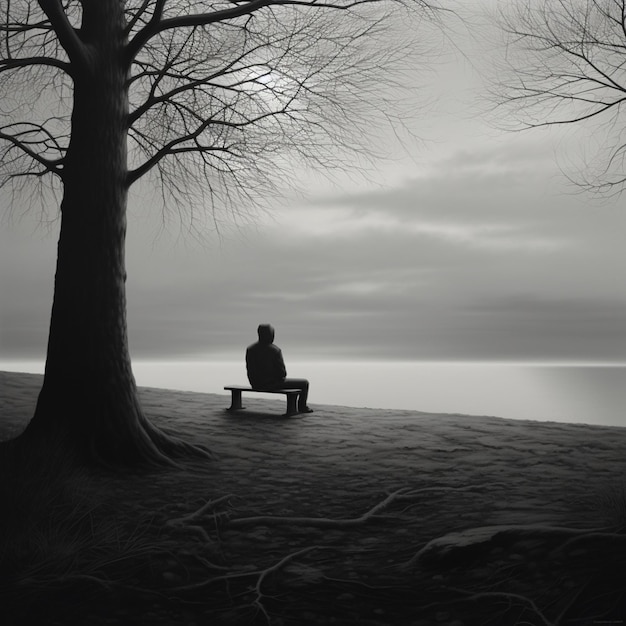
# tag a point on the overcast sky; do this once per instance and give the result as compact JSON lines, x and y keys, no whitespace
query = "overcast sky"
{"x":472,"y":247}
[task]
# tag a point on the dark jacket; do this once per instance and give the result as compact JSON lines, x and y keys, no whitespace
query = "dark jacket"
{"x":265,"y":365}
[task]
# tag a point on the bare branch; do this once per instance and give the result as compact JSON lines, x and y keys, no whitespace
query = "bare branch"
{"x":137,"y":16}
{"x":175,"y":146}
{"x":247,"y":7}
{"x":236,"y":65}
{"x":11,"y":64}
{"x":566,"y":65}
{"x":19,"y":141}
{"x":216,"y":113}
{"x":68,"y":37}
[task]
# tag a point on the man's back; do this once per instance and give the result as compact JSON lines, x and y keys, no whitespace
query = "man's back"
{"x":266,"y":368}
{"x":265,"y":365}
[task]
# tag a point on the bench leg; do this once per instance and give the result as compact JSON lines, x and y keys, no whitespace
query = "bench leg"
{"x":235,"y":401}
{"x":292,"y":408}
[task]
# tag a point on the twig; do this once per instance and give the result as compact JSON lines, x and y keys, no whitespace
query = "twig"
{"x":411,"y":494}
{"x":258,"y":601}
{"x":506,"y":596}
{"x":216,"y":579}
{"x":359,"y":583}
{"x":182,"y":523}
{"x":196,"y":514}
{"x":261,"y":573}
{"x":322,"y":522}
{"x":69,"y":578}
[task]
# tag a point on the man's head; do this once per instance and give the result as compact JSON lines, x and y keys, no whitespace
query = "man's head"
{"x":266,"y":333}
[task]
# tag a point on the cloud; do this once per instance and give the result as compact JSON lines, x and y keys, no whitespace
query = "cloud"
{"x":341,"y":225}
{"x":482,"y":256}
{"x":416,"y":273}
{"x":463,"y":201}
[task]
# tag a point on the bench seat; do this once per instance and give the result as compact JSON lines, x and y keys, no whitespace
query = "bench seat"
{"x":237,"y":390}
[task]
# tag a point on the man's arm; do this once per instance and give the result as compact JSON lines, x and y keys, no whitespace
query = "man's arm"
{"x":250,"y":369}
{"x":280,"y":364}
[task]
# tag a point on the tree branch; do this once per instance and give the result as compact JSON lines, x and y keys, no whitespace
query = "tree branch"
{"x":67,"y":35}
{"x":52,"y":166}
{"x":137,"y":16}
{"x":43,"y":140}
{"x":171,"y":146}
{"x":248,"y":7}
{"x":9,"y":64}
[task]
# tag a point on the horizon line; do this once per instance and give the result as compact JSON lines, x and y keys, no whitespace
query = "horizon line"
{"x":39,"y":364}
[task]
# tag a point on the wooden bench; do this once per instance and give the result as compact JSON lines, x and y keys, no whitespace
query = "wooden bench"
{"x":236,"y":391}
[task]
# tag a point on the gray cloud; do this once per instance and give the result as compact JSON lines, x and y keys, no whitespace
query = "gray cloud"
{"x":544,"y":288}
{"x":450,"y":266}
{"x":482,"y":255}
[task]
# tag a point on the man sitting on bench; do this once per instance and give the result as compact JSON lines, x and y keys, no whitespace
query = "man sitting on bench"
{"x":266,"y":368}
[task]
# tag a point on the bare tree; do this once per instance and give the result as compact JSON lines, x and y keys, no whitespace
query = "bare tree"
{"x":209,"y":99}
{"x":566,"y":64}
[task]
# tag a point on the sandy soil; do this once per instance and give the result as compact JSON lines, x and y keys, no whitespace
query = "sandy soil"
{"x":482,"y":522}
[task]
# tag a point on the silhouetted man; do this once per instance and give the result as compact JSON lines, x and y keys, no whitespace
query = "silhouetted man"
{"x":266,"y":368}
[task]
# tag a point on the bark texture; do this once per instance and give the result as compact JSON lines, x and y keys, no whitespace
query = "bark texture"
{"x":89,"y":403}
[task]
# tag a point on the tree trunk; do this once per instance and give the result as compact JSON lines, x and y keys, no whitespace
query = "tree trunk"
{"x":88,"y":404}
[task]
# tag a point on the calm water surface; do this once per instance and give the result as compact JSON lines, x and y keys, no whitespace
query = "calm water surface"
{"x":583,"y":394}
{"x":573,"y":393}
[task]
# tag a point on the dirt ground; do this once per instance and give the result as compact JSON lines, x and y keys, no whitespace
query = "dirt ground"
{"x":343,"y":516}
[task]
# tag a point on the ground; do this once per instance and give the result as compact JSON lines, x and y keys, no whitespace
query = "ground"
{"x":343,"y":516}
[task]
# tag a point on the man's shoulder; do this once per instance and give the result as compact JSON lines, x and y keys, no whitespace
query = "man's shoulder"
{"x":270,"y":347}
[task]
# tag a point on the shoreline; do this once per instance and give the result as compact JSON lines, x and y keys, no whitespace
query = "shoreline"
{"x":572,"y":394}
{"x":21,"y":389}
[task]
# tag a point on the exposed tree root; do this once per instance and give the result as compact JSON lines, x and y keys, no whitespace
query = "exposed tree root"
{"x":192,"y":517}
{"x":444,"y":489}
{"x":67,"y":579}
{"x":114,"y":434}
{"x":145,"y":444}
{"x":186,"y":523}
{"x":261,"y":577}
{"x":322,"y":522}
{"x":237,"y":590}
{"x":258,"y":601}
{"x":359,"y":583}
{"x":475,"y":540}
{"x":461,"y":548}
{"x":519,"y":599}
{"x":319,"y":522}
{"x":502,"y":595}
{"x":582,"y":536}
{"x":170,"y":446}
{"x":261,"y":574}
{"x":280,"y":584}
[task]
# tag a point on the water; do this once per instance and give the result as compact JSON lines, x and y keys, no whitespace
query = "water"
{"x":583,"y":394}
{"x":572,"y":393}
